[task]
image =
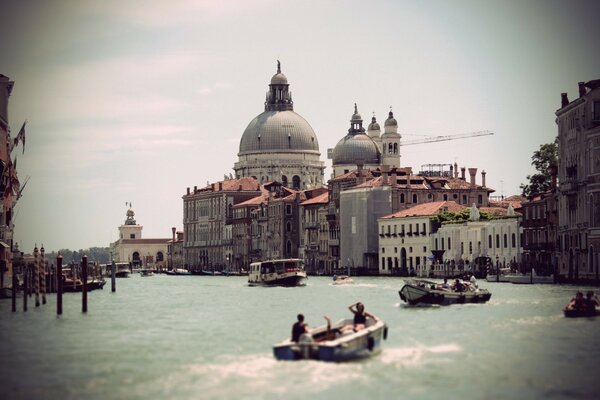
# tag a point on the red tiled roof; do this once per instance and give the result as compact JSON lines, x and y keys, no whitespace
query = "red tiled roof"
{"x":427,"y":209}
{"x":320,"y":199}
{"x":255,"y":201}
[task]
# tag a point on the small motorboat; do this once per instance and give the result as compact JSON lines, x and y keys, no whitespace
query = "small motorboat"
{"x":336,"y":343}
{"x":73,"y":286}
{"x":342,"y":280}
{"x":572,"y":312}
{"x":146,"y":272}
{"x":420,"y":291}
{"x":178,"y":271}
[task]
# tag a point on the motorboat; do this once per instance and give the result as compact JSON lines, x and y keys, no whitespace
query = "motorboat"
{"x":342,"y":280}
{"x":285,"y":272}
{"x":73,"y":286}
{"x":529,"y":278}
{"x":146,"y":272}
{"x":572,"y":312}
{"x":420,"y":291}
{"x":178,"y":271}
{"x":339,"y":342}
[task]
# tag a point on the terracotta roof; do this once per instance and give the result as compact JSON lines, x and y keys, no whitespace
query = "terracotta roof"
{"x":231,"y":185}
{"x":427,"y":209}
{"x":255,"y":201}
{"x":496,"y":211}
{"x":320,"y":199}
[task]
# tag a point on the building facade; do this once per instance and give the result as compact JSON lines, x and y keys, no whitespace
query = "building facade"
{"x":132,"y":248}
{"x":578,"y":241}
{"x":280,"y":145}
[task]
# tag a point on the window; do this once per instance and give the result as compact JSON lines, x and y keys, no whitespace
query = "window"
{"x":436,"y":243}
{"x":132,"y":236}
{"x":414,"y":198}
{"x":464,"y":199}
{"x":401,"y":197}
{"x":596,"y":111}
{"x":383,"y":250}
{"x":470,"y":247}
{"x":514,"y":240}
{"x":505,"y":240}
{"x":288,"y":226}
{"x":288,"y":209}
{"x":449,"y":244}
{"x":480,"y":199}
{"x":445,"y":197}
{"x":490,"y":241}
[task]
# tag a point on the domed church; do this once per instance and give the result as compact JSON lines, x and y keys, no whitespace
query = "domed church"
{"x":280,"y":145}
{"x":370,"y":148}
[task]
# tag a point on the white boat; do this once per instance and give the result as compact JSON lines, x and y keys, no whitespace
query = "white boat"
{"x":178,"y":271}
{"x":420,"y":291}
{"x":342,"y":280}
{"x":284,"y":272}
{"x":337,"y":344}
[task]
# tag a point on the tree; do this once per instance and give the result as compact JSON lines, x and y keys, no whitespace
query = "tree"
{"x":542,"y":160}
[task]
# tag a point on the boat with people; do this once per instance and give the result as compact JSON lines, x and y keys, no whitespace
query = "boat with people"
{"x":420,"y":291}
{"x":583,"y":307}
{"x":342,"y":280}
{"x":337,"y":342}
{"x":283,"y":272}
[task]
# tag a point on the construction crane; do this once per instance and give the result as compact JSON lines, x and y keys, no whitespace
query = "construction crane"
{"x":431,"y":139}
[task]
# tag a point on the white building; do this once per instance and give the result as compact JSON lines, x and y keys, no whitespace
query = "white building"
{"x":404,"y":238}
{"x":131,"y":247}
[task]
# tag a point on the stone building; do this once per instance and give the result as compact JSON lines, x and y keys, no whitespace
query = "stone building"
{"x":313,"y":243}
{"x":579,"y":183}
{"x":175,"y":251}
{"x":404,"y":238}
{"x":132,"y":248}
{"x":280,"y":145}
{"x":207,"y":221}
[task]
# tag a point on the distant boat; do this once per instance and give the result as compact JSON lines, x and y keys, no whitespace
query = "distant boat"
{"x":178,"y":271}
{"x":571,"y":312}
{"x":72,"y":286}
{"x":285,"y":272}
{"x":146,"y":272}
{"x":337,"y":344}
{"x":342,"y":280}
{"x":420,"y":291}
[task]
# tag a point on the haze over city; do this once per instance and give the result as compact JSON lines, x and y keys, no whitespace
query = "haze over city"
{"x":135,"y":102}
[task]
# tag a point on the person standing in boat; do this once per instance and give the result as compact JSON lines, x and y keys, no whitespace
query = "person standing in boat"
{"x":360,"y":315}
{"x":299,"y":328}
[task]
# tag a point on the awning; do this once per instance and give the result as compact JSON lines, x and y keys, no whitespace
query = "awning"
{"x":4,"y":245}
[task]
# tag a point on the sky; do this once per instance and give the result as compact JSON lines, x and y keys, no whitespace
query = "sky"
{"x":135,"y":101}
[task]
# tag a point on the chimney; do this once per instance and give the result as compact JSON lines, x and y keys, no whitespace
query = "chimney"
{"x":455,"y":170}
{"x":384,"y":174}
{"x":195,"y":189}
{"x":564,"y":100}
{"x":220,"y":186}
{"x":472,"y":173}
{"x":394,"y":177}
{"x":483,"y":178}
{"x":462,"y":173}
{"x":359,"y":167}
{"x":188,"y":190}
{"x":581,"y":88}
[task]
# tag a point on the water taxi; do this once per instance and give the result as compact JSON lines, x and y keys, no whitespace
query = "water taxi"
{"x":420,"y":291}
{"x":285,"y":272}
{"x":342,"y":280}
{"x":335,"y":343}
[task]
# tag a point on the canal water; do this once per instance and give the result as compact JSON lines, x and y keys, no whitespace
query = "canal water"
{"x":200,"y":337}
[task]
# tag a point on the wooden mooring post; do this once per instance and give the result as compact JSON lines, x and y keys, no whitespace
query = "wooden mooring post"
{"x":84,"y":275}
{"x":36,"y":276}
{"x":14,"y":289}
{"x":59,"y":286}
{"x":113,"y":276}
{"x":43,"y":273}
{"x":25,"y":286}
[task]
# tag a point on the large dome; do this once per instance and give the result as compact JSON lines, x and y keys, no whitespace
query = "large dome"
{"x":278,"y":131}
{"x":354,"y":148}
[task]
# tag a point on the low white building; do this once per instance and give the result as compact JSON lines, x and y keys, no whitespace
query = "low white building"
{"x":132,"y":248}
{"x":404,"y":238}
{"x":461,"y":245}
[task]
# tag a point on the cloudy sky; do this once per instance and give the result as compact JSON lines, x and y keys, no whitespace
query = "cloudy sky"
{"x":137,"y":100}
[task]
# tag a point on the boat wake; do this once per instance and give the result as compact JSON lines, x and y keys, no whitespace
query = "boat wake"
{"x":538,"y":320}
{"x":228,"y":376}
{"x":417,"y":355}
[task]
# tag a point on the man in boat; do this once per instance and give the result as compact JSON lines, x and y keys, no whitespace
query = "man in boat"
{"x":445,"y":285}
{"x":458,"y":286}
{"x":299,"y":328}
{"x":591,"y":301}
{"x":577,"y":302}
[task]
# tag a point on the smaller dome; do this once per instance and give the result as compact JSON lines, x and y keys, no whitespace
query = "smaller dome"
{"x":356,"y":116}
{"x":279,"y":79}
{"x":391,"y":121}
{"x":354,"y":148}
{"x":130,"y":213}
{"x":373,"y":126}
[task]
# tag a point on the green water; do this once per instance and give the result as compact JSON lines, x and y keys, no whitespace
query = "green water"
{"x":201,"y":337}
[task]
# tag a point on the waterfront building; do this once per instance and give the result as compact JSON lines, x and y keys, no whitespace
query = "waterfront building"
{"x":465,"y":245}
{"x":578,"y":124}
{"x":404,"y":238}
{"x":314,"y":228}
{"x":132,"y":248}
{"x":207,"y":219}
{"x":175,"y":250}
{"x":540,"y":225}
{"x":279,"y":144}
{"x":406,"y":190}
{"x":242,"y":229}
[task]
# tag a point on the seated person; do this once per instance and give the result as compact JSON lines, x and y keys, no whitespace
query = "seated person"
{"x":299,"y":328}
{"x":445,"y":285}
{"x":360,"y":316}
{"x":458,"y":286}
{"x":577,"y":302}
{"x":591,"y":301}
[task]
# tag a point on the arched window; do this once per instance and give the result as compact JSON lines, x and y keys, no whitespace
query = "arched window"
{"x":284,"y":180}
{"x":288,"y":226}
{"x":401,"y":197}
{"x":390,"y":148}
{"x":514,"y":240}
{"x":296,"y":182}
{"x":395,"y":148}
{"x":159,"y":256}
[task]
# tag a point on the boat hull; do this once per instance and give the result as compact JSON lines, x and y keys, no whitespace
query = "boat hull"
{"x":70,"y":287}
{"x":297,"y":279}
{"x":353,"y":346}
{"x":413,"y":295}
{"x":572,"y":313}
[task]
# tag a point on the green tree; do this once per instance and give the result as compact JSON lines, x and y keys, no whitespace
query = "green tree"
{"x":541,"y":160}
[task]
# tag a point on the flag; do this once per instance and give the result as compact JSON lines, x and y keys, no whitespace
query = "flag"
{"x":20,"y":136}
